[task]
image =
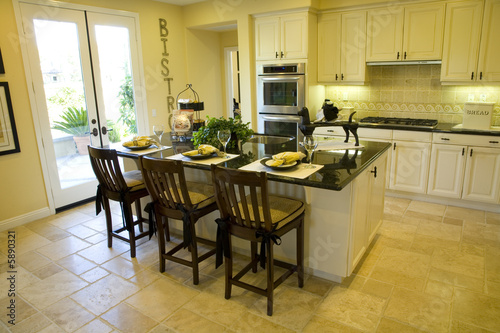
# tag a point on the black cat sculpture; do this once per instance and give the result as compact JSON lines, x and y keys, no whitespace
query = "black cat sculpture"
{"x":349,"y":126}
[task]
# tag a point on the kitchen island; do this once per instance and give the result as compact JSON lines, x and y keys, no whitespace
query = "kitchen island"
{"x":345,"y":201}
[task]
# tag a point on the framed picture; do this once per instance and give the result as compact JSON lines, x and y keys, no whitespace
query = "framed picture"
{"x":8,"y":134}
{"x":2,"y":69}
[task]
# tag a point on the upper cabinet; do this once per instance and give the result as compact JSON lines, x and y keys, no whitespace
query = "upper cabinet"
{"x":470,"y":55}
{"x":281,"y":37}
{"x":341,"y":47}
{"x":405,"y":33}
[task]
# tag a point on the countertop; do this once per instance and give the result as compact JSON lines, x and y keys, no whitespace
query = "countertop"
{"x":340,"y":166}
{"x":440,"y":128}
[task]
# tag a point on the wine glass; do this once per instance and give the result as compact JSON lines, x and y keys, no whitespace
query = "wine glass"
{"x":224,"y":136}
{"x":158,"y":130}
{"x":310,"y":144}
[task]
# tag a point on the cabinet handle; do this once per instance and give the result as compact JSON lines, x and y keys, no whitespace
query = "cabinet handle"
{"x":480,"y":75}
{"x":336,"y":77}
{"x":277,"y":55}
{"x":471,"y":152}
{"x":282,"y":54}
{"x":405,"y":55}
{"x":445,"y":139}
{"x":463,"y":151}
{"x":342,"y":76}
{"x":397,"y":57}
{"x":472,"y":76}
{"x":394,"y":146}
{"x":374,"y":171}
{"x":331,"y":131}
{"x":494,"y":142}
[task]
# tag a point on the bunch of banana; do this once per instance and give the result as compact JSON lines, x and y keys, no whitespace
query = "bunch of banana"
{"x":207,"y":149}
{"x":139,"y":141}
{"x":287,"y":157}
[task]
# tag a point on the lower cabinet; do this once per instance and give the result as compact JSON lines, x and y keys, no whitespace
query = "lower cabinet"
{"x":465,"y":171}
{"x":367,"y":209}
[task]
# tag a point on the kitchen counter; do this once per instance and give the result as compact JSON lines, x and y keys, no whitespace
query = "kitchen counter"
{"x":440,"y":128}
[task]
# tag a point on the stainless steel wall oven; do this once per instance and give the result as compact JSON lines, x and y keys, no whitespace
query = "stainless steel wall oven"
{"x":281,"y":95}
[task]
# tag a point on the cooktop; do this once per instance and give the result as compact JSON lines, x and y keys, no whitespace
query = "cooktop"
{"x":400,"y":122}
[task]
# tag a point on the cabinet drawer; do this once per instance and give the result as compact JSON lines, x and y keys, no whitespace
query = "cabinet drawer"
{"x":467,"y":140}
{"x":375,"y":133}
{"x":412,"y":136}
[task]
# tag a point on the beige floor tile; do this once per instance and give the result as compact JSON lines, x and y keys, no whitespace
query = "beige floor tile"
{"x":23,"y":310}
{"x":24,"y":279}
{"x":94,"y":274}
{"x":390,"y":326}
{"x":124,"y":268}
{"x":423,"y":216}
{"x":96,"y":325}
{"x":427,"y":207}
{"x":492,"y":218}
{"x":381,"y":243}
{"x":19,"y":232}
{"x":377,"y":288}
{"x":26,"y":244}
{"x":68,"y":315}
{"x":482,"y":234}
{"x":251,"y":322}
{"x":419,"y":309}
{"x":52,"y":328}
{"x":405,"y":262}
{"x":145,"y":278}
{"x":456,"y":280}
{"x":100,"y":252}
{"x":319,"y":324}
{"x":312,"y":284}
{"x":461,"y":327}
{"x":50,"y":290}
{"x":97,"y":238}
{"x":427,"y":244}
{"x":32,"y":261}
{"x":162,"y":298}
{"x":69,"y":219}
{"x":48,"y":231}
{"x":81,"y":231}
{"x":476,"y":309}
{"x":292,"y":307}
{"x":397,"y":204}
{"x":99,"y":223}
{"x":352,"y":308}
{"x":493,"y":289}
{"x":127,"y":319}
{"x":440,"y":289}
{"x":398,"y":278}
{"x":47,"y":271}
{"x":396,"y":230}
{"x":458,"y":262}
{"x":188,"y":321}
{"x":440,"y":230}
{"x":63,"y":248}
{"x":104,"y":294}
{"x":35,"y":323}
{"x":472,"y":215}
{"x":76,"y":264}
{"x":453,"y":221}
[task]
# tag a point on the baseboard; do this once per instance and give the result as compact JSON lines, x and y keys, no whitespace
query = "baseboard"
{"x":23,"y":219}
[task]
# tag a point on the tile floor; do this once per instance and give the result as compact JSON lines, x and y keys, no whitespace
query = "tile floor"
{"x":432,"y":268}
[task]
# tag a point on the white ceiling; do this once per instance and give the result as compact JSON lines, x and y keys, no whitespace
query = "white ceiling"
{"x":180,"y":2}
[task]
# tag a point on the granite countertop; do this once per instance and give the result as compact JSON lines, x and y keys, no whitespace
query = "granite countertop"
{"x":440,"y":128}
{"x":340,"y":166}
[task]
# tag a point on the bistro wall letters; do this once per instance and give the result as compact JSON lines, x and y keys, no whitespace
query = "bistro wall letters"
{"x":165,"y":72}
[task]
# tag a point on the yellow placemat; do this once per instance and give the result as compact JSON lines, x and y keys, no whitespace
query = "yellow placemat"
{"x":208,"y":161}
{"x":150,"y":150}
{"x":299,"y":172}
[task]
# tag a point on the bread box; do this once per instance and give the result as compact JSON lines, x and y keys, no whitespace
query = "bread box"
{"x":477,"y":115}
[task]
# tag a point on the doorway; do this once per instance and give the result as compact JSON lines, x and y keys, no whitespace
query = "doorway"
{"x":232,"y":68}
{"x":84,"y":67}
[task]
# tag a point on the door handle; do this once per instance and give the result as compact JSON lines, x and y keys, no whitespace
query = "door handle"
{"x":104,"y":130}
{"x":95,"y":132}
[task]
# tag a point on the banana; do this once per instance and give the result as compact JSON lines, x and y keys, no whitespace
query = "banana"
{"x":287,"y":157}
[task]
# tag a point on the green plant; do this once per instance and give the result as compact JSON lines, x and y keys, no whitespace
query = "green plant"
{"x":127,"y":106}
{"x":74,"y":121}
{"x":208,"y":134}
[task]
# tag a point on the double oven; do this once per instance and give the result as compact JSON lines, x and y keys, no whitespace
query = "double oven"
{"x":280,"y":96}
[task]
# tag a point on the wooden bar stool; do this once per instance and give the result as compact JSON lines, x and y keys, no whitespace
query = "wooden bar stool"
{"x":176,"y":198}
{"x":249,"y":212}
{"x":126,"y":188}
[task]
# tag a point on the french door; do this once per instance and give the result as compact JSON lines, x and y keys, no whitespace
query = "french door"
{"x":85,"y":74}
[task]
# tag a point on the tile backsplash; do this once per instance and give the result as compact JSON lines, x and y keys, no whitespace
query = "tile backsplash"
{"x":412,"y":91}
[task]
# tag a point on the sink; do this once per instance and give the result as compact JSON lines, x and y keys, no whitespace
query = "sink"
{"x":270,"y":139}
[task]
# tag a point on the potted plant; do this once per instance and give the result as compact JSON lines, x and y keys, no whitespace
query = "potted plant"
{"x":240,"y":132}
{"x":74,"y":121}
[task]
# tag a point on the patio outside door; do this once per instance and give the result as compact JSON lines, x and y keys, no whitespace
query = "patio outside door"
{"x":84,"y":67}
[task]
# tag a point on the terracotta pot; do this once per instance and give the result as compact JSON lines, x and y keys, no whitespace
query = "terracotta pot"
{"x":81,"y":144}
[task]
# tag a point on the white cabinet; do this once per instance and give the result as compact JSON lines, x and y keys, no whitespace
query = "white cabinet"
{"x":281,"y":37}
{"x":367,"y":209}
{"x":409,"y":33}
{"x":410,"y":161}
{"x":470,"y":54}
{"x":465,"y":167}
{"x":341,"y":47}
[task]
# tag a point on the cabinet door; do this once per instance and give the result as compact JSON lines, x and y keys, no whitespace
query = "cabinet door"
{"x":376,"y":197}
{"x":423,"y":32}
{"x":385,"y":34}
{"x":410,"y":166}
{"x":294,"y":36}
{"x":329,"y":26}
{"x":461,"y":41}
{"x":489,"y":66}
{"x":446,"y":170}
{"x":482,"y":175}
{"x":359,"y":213}
{"x":353,"y":47}
{"x":267,"y":35}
